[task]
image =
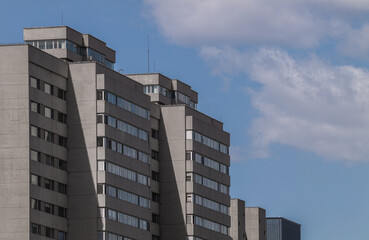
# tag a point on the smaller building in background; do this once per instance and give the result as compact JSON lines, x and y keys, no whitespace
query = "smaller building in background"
{"x":238,"y":226}
{"x":255,"y":223}
{"x":279,"y":228}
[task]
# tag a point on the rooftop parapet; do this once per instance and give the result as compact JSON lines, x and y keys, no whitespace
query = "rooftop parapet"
{"x":69,"y":44}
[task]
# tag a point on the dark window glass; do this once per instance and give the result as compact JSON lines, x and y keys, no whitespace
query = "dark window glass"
{"x":154,"y":134}
{"x":49,"y":208}
{"x":35,"y":229}
{"x":100,"y":189}
{"x":99,"y":118}
{"x":100,"y":142}
{"x":62,"y":117}
{"x":62,"y":164}
{"x":62,"y":212}
{"x":49,"y":184}
{"x":155,"y":197}
{"x":100,"y":95}
{"x":62,"y":235}
{"x":49,"y":232}
{"x":155,"y":176}
{"x":62,"y":141}
{"x":154,"y":155}
{"x":155,"y":218}
{"x":49,"y":160}
{"x":62,"y":188}
{"x":61,"y":94}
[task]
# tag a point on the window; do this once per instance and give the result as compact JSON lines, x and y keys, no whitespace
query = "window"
{"x":189,"y":197}
{"x":62,"y":188}
{"x":48,"y":89}
{"x":62,"y":164}
{"x":35,"y":204}
{"x":210,"y":225}
{"x":35,"y":156}
{"x":62,"y":212}
{"x":144,"y":225}
{"x":35,"y":107}
{"x":155,"y":197}
{"x":62,"y":141}
{"x":154,"y":237}
{"x":61,"y":235}
{"x":223,"y":188}
{"x":49,"y":232}
{"x":188,"y":177}
{"x":35,"y":83}
{"x":207,"y":141}
{"x":112,"y":98}
{"x":154,"y":155}
{"x":49,"y":44}
{"x":49,"y":184}
{"x":34,"y":131}
{"x":112,"y":215}
{"x":144,"y":202}
{"x":100,"y":141}
{"x":49,"y":160}
{"x":35,"y":180}
{"x":49,"y":136}
{"x":155,"y":176}
{"x":154,"y":134}
{"x":62,"y":117}
{"x":41,"y":44}
{"x":35,"y":228}
{"x":61,"y":94}
{"x":49,"y":208}
{"x":100,"y":95}
{"x":127,"y":105}
{"x":49,"y":113}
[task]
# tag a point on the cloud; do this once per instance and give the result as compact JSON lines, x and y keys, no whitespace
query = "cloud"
{"x":356,"y":42}
{"x":299,"y":24}
{"x":306,"y":103}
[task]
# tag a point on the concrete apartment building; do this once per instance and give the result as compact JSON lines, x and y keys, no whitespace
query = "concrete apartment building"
{"x":255,"y":223}
{"x":238,"y":220}
{"x":247,"y":223}
{"x":89,"y":153}
{"x":279,"y":228}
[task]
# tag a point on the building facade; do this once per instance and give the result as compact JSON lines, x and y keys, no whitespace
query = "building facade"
{"x":279,"y":228}
{"x":255,"y":223}
{"x":89,"y":153}
{"x":238,"y":220}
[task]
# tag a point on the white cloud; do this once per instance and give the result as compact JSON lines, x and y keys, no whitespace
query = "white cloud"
{"x":288,"y":23}
{"x":309,"y":104}
{"x":356,"y":42}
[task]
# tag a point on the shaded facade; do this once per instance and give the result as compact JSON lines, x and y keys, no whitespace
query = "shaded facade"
{"x":279,"y":228}
{"x":89,"y":153}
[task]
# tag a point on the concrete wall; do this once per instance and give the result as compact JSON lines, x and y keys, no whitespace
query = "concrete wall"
{"x":14,"y":143}
{"x":238,"y":225}
{"x":175,"y":120}
{"x":17,"y":64}
{"x":255,"y":223}
{"x":82,"y":165}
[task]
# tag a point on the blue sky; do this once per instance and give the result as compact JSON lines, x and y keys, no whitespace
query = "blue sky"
{"x":288,"y":78}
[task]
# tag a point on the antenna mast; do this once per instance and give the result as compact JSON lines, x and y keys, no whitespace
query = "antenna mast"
{"x":148,"y":54}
